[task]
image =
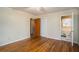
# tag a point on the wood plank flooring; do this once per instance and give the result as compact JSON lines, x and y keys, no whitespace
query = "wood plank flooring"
{"x":40,"y":45}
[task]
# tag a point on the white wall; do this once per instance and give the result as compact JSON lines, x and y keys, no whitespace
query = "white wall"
{"x":75,"y":29}
{"x":78,"y":27}
{"x":43,"y":26}
{"x":51,"y":24}
{"x":14,"y":25}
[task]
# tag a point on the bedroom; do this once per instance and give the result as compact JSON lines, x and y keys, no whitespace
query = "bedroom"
{"x":19,"y":34}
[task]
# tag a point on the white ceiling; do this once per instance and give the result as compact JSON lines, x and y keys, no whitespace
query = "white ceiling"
{"x":42,"y":10}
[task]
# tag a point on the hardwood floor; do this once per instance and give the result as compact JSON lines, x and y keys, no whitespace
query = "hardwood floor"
{"x":40,"y":45}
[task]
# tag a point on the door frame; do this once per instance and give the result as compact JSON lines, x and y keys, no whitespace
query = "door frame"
{"x":31,"y":26}
{"x":72,"y":17}
{"x":72,"y":28}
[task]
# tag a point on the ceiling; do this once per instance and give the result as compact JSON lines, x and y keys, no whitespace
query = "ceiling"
{"x":42,"y":10}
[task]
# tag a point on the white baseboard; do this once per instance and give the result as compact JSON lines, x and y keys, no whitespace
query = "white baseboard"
{"x":76,"y":42}
{"x":59,"y":39}
{"x":13,"y":41}
{"x":51,"y":37}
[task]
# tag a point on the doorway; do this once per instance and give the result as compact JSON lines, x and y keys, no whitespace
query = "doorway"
{"x":35,"y":27}
{"x":66,"y":28}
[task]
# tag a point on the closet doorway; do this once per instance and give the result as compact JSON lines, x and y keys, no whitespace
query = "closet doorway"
{"x":35,"y":28}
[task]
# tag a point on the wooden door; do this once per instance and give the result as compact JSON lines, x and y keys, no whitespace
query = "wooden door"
{"x":35,"y":27}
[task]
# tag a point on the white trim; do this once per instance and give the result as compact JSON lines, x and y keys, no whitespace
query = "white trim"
{"x":72,"y":27}
{"x":13,"y":41}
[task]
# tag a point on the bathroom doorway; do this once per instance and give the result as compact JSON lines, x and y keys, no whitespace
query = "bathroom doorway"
{"x":66,"y":28}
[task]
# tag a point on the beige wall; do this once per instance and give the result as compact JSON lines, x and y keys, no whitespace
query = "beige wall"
{"x":15,"y":25}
